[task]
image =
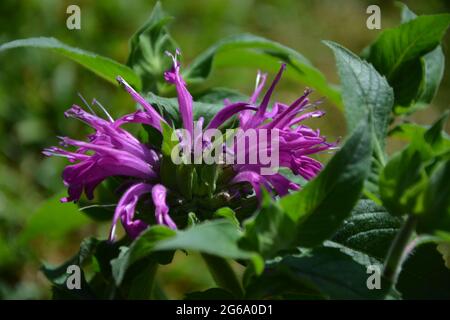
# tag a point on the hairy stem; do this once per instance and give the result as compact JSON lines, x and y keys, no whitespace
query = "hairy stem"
{"x":397,"y":252}
{"x":223,"y":274}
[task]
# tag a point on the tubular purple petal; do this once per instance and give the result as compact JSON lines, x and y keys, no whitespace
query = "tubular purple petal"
{"x":161,"y":209}
{"x":92,"y":120}
{"x":111,"y":151}
{"x":281,"y":184}
{"x":313,"y":114}
{"x":185,"y":101}
{"x":125,"y":211}
{"x":287,"y":114}
{"x":155,"y":116}
{"x":265,"y":102}
{"x":139,"y":116}
{"x":254,"y":179}
{"x":227,"y":112}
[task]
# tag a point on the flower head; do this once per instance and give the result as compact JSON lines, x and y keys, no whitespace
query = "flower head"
{"x":111,"y":151}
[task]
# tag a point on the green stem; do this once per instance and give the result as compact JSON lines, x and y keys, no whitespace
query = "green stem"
{"x":397,"y":252}
{"x":223,"y":274}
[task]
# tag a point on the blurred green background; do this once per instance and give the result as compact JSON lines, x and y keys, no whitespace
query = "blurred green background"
{"x":36,"y":87}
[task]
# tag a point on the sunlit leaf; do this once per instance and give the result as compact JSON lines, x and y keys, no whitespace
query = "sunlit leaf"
{"x":54,"y":220}
{"x":405,"y":56}
{"x":102,"y":66}
{"x":406,"y":175}
{"x":325,"y":202}
{"x":324,"y":272}
{"x":141,"y":248}
{"x":369,"y":229}
{"x":252,"y":51}
{"x":364,"y":90}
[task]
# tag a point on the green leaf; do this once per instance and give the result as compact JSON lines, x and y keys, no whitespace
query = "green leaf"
{"x":407,"y":42}
{"x":326,"y":201}
{"x":167,"y":107}
{"x":371,"y":189}
{"x":432,"y":67}
{"x":186,"y":178}
{"x":151,"y":136}
{"x":207,"y":179}
{"x":402,"y":180}
{"x":199,"y":238}
{"x":54,"y":220}
{"x":59,"y":276}
{"x":424,"y":275}
{"x":218,"y":237}
{"x":436,"y":215}
{"x":223,"y":274}
{"x":148,"y":47}
{"x":166,"y":170}
{"x":138,"y":284}
{"x":405,"y":177}
{"x":370,"y":229}
{"x":169,"y":140}
{"x":140,"y":249}
{"x":437,"y":138}
{"x":227,"y":213}
{"x":399,"y":54}
{"x":217,"y":95}
{"x":180,"y":177}
{"x":323,"y":272}
{"x":252,"y":51}
{"x":269,"y":231}
{"x":104,"y":67}
{"x":411,"y":131}
{"x":364,"y":90}
{"x":408,"y":131}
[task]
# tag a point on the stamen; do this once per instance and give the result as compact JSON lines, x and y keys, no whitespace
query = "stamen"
{"x":96,"y":102}
{"x":87,"y":104}
{"x":97,"y":206}
{"x":174,"y":57}
{"x":258,"y":79}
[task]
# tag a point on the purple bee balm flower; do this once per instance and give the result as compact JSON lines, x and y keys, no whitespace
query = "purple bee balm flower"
{"x":295,"y":142}
{"x":113,"y":151}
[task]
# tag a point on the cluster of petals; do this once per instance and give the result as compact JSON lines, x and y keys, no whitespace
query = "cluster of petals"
{"x":112,"y":151}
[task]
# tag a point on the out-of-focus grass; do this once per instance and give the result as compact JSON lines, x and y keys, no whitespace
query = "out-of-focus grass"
{"x":36,"y":87}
